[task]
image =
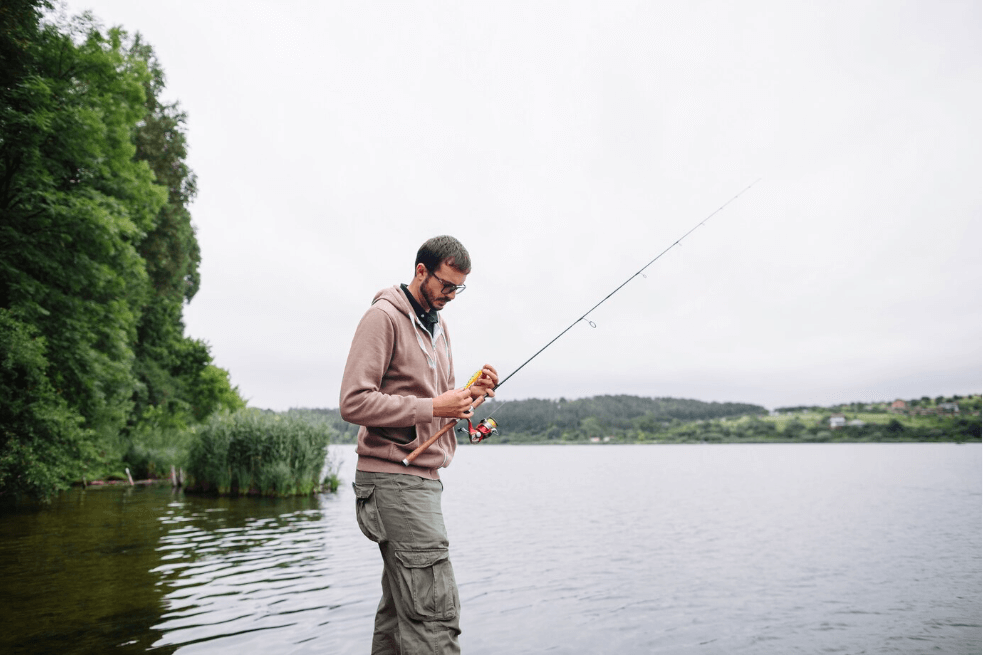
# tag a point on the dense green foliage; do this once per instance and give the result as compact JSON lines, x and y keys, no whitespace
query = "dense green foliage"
{"x":42,"y":437}
{"x":254,"y":452}
{"x":97,"y":253}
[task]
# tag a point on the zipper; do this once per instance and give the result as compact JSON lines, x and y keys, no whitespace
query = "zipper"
{"x":430,"y":354}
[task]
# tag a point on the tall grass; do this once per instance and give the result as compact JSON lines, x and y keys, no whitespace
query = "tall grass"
{"x":254,"y":452}
{"x":152,"y":449}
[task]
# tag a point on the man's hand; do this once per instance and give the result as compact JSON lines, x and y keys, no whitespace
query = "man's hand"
{"x":455,"y":404}
{"x":485,"y":385}
{"x":458,"y":403}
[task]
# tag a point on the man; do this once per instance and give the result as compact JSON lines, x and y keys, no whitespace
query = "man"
{"x":399,"y":387}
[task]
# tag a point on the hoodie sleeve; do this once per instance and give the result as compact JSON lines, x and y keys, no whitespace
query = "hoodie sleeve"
{"x":361,"y":402}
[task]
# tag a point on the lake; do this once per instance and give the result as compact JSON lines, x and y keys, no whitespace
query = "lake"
{"x":682,"y":549}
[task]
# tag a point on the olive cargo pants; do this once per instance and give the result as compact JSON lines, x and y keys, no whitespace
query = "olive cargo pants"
{"x":420,"y":610}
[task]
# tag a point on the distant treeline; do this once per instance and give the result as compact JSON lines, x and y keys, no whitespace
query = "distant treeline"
{"x":600,"y":416}
{"x":967,"y":405}
{"x":817,"y":429}
{"x":632,"y":419}
{"x":581,"y":419}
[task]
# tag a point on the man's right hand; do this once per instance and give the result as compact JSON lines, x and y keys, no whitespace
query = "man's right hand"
{"x":455,"y":404}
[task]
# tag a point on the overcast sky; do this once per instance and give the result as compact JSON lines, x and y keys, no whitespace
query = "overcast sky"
{"x":566,"y":144}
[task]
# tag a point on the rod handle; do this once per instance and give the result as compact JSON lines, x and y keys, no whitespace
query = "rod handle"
{"x":436,"y":436}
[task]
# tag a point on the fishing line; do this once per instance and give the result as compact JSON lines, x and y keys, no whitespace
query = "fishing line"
{"x":488,"y":426}
{"x":583,"y":317}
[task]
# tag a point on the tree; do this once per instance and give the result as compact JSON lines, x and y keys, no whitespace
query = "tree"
{"x":75,"y":203}
{"x":591,"y":427}
{"x":177,"y":379}
{"x":97,"y":251}
{"x":894,"y":428}
{"x":42,"y":441}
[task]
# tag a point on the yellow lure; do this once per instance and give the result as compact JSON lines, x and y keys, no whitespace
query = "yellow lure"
{"x":473,"y":379}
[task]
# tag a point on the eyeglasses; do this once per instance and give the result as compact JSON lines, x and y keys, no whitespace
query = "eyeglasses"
{"x":449,"y":286}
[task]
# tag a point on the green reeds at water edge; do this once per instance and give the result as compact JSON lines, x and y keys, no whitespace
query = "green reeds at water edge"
{"x":252,"y":452}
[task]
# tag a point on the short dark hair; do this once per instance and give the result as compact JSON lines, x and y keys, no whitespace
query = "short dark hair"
{"x":443,"y":249}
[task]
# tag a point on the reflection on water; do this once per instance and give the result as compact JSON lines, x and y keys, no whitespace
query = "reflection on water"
{"x":235,"y":572}
{"x":594,"y":549}
{"x":128,"y":570}
{"x":76,"y":575}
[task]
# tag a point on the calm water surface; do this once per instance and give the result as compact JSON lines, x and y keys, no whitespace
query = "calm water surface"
{"x":689,"y":549}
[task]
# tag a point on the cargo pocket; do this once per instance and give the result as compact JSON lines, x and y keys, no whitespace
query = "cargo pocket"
{"x":427,"y":578}
{"x":367,"y":513}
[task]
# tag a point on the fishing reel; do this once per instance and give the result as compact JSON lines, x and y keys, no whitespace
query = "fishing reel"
{"x":485,"y":428}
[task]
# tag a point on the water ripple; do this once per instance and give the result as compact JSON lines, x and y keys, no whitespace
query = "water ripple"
{"x":233,"y":574}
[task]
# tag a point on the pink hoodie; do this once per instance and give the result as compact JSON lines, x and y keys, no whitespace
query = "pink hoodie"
{"x":394,"y":371}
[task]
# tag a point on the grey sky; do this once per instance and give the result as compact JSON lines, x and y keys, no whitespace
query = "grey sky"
{"x":568,"y":143}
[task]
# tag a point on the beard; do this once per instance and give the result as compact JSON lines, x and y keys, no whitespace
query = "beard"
{"x":431,"y":299}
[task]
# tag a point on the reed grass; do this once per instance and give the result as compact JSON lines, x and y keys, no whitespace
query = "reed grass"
{"x":255,"y":452}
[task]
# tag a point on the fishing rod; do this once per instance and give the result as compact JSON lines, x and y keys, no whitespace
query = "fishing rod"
{"x":488,"y":426}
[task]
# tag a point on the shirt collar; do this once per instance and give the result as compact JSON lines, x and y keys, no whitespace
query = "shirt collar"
{"x":428,"y":318}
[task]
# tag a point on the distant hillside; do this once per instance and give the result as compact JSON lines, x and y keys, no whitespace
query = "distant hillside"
{"x":638,"y":420}
{"x":604,"y":414}
{"x":548,"y":419}
{"x":940,"y":405}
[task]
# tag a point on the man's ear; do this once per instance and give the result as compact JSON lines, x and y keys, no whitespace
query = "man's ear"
{"x":421,"y":269}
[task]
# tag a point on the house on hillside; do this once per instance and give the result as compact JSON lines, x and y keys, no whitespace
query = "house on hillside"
{"x":948,"y":408}
{"x":899,"y":407}
{"x":837,"y":421}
